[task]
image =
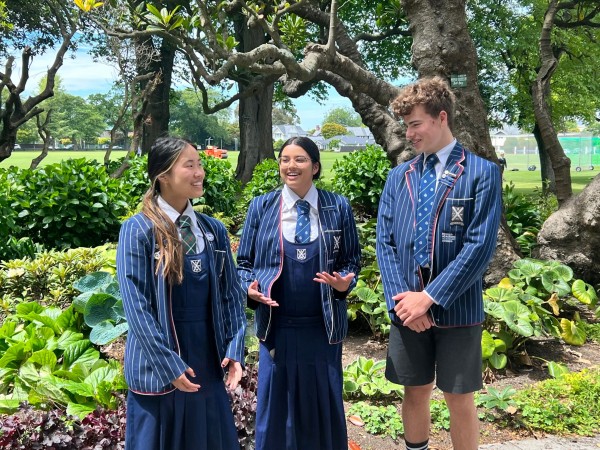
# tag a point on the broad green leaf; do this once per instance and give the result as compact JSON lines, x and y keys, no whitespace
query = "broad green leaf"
{"x":80,"y":352}
{"x":44,"y":358}
{"x":487,"y":345}
{"x":553,"y":282}
{"x":573,"y":332}
{"x":48,"y":390}
{"x":501,"y":346}
{"x":94,"y":281}
{"x":584,"y":292}
{"x":106,"y":332}
{"x":498,"y":361}
{"x":565,"y":272}
{"x":100,"y":308}
{"x":78,"y":388}
{"x":67,"y":338}
{"x":13,"y":356}
{"x":80,"y":410}
{"x":557,"y":370}
{"x":9,"y":406}
{"x":102,"y":374}
{"x":500,"y":294}
{"x":25,"y":308}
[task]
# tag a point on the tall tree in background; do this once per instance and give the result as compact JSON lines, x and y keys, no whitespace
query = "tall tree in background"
{"x":41,"y":25}
{"x":342,"y":116}
{"x":508,"y":35}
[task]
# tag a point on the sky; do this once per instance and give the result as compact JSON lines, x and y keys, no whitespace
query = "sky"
{"x":82,"y":76}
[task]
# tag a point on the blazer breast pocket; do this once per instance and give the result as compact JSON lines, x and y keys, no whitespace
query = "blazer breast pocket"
{"x":457,"y":214}
{"x":333,"y":239}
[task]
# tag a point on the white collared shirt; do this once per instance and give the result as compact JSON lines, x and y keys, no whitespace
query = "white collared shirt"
{"x":289,"y":213}
{"x":189,"y":211}
{"x":442,"y":155}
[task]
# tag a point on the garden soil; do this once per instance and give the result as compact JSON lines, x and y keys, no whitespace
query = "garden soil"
{"x":531,"y":369}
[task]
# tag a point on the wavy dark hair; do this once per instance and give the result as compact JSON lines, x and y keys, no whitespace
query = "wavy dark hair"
{"x":161,"y":158}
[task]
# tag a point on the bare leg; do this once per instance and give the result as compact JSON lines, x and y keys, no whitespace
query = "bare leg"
{"x":464,"y":424}
{"x":416,"y":415}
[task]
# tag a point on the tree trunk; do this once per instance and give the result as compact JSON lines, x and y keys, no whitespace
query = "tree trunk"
{"x":540,"y":90}
{"x":442,"y":46}
{"x":572,"y":234}
{"x":255,"y":111}
{"x":548,"y":179}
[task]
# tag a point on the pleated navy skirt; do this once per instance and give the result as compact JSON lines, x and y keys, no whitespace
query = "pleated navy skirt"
{"x":300,"y":374}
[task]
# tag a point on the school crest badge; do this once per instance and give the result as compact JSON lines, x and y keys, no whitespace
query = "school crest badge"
{"x":457,"y":217}
{"x":300,"y":254}
{"x":336,"y":242}
{"x":196,"y":265}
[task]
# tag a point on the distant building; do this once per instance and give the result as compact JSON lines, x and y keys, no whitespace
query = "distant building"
{"x":284,"y":132}
{"x":362,"y":132}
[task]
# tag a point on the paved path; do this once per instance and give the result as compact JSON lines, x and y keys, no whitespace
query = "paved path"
{"x":549,"y":443}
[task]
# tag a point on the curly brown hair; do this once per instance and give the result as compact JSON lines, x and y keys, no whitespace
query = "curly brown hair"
{"x":433,"y":93}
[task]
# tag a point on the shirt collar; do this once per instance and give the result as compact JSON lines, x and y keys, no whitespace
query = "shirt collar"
{"x":290,"y":197}
{"x":444,"y":153}
{"x":173,"y":213}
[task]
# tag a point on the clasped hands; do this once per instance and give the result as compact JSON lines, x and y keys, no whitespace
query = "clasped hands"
{"x":412,"y":309}
{"x":234,"y":375}
{"x":338,"y":282}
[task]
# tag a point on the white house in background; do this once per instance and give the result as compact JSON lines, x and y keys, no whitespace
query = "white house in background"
{"x":349,"y":143}
{"x":284,"y":132}
{"x":362,"y":132}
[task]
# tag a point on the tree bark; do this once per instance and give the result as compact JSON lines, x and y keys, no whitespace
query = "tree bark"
{"x":157,"y":113}
{"x":255,"y":110}
{"x":561,"y":165}
{"x":572,"y":234}
{"x":548,"y":179}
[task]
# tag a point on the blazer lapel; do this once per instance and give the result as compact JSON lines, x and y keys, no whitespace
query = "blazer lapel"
{"x":412,"y":176}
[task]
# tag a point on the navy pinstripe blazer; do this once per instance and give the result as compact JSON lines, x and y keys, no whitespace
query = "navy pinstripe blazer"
{"x":467,"y":210}
{"x":261,"y":248}
{"x":152,"y":357}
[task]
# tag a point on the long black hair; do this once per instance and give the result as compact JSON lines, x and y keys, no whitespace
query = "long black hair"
{"x":161,"y":158}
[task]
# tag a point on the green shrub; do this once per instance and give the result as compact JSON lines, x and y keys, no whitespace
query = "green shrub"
{"x":523,"y":217}
{"x":74,"y":203}
{"x":360,"y":176}
{"x":134,"y":181}
{"x":564,"y":405}
{"x":221,"y":189}
{"x":48,"y":279}
{"x":379,"y":420}
{"x":47,"y":361}
{"x":533,"y":301}
{"x":364,"y":378}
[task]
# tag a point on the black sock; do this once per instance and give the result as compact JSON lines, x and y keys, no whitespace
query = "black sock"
{"x":419,"y":446}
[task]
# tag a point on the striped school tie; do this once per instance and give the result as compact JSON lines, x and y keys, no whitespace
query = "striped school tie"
{"x":425,"y":204}
{"x":188,"y":240}
{"x":303,"y":223}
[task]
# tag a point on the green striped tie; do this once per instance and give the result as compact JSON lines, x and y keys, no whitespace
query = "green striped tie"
{"x":188,"y":240}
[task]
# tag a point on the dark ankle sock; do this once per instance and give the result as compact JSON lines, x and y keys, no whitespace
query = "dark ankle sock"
{"x":418,"y":446}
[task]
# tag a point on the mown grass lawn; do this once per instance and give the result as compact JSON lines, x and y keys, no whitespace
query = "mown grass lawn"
{"x":525,"y":181}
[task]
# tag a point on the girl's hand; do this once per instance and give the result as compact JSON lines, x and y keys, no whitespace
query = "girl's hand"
{"x":234,"y":372}
{"x":257,"y":296}
{"x":184,"y":384}
{"x":336,"y":281}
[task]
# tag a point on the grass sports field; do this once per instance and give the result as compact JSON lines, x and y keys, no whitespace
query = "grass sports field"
{"x":525,"y":181}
